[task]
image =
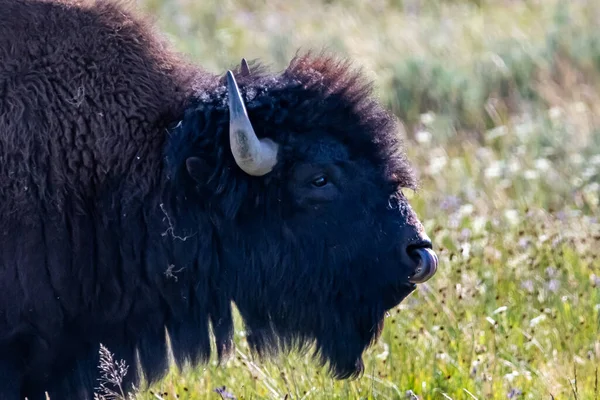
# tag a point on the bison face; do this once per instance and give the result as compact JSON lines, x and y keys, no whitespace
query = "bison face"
{"x":350,"y":204}
{"x":352,"y":249}
{"x":323,"y":241}
{"x":341,"y":248}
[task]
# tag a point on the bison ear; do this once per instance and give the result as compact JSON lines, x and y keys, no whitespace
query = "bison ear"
{"x":197,"y":168}
{"x":245,"y":69}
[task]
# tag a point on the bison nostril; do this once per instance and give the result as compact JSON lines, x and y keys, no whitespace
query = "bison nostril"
{"x":427,"y":262}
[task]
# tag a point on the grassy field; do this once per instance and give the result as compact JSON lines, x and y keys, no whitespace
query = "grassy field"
{"x":500,"y":102}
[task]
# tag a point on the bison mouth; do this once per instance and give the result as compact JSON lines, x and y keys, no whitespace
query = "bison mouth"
{"x":425,"y":267}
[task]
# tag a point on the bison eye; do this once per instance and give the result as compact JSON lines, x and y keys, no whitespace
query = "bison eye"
{"x":320,"y":181}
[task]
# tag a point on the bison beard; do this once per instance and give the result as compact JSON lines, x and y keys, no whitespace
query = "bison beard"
{"x":126,"y":211}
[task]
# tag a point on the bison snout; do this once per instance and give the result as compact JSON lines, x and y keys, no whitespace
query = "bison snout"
{"x":427,"y":262}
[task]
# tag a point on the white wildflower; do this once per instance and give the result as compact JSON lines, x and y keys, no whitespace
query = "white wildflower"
{"x":478,"y":224}
{"x":427,"y":118}
{"x":589,"y":172}
{"x":385,"y":353}
{"x":494,"y":170}
{"x":437,"y":164}
{"x":465,"y":210}
{"x":514,"y":166}
{"x":466,"y":250}
{"x":555,"y":113}
{"x":531,"y":174}
{"x":542,"y":164}
{"x":535,"y":321}
{"x":423,"y":136}
{"x":511,"y":376}
{"x":524,"y":129}
{"x":497,"y":132}
{"x":512,"y":216}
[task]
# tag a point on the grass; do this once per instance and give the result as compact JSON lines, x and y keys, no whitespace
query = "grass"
{"x":500,"y":102}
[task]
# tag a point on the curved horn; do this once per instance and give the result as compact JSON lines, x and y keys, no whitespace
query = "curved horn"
{"x":255,"y":157}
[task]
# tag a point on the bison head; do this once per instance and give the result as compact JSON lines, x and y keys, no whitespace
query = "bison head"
{"x":302,"y":174}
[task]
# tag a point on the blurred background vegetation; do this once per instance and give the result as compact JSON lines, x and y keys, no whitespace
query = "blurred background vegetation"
{"x":500,"y":106}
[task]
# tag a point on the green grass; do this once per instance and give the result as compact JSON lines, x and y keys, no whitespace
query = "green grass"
{"x":500,"y":102}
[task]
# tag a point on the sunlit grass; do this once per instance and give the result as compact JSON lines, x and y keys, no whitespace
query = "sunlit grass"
{"x":500,"y":103}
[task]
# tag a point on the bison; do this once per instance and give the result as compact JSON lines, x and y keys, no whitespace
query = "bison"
{"x":142,"y":197}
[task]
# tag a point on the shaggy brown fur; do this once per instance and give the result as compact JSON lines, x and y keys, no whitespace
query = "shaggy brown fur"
{"x":88,"y":77}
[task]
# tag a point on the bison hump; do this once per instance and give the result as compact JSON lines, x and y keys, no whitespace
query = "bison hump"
{"x":86,"y":91}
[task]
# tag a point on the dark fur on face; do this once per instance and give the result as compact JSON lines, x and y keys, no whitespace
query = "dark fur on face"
{"x":124,"y":212}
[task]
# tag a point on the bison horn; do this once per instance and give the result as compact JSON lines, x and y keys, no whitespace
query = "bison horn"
{"x":254,"y":156}
{"x":245,"y":69}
